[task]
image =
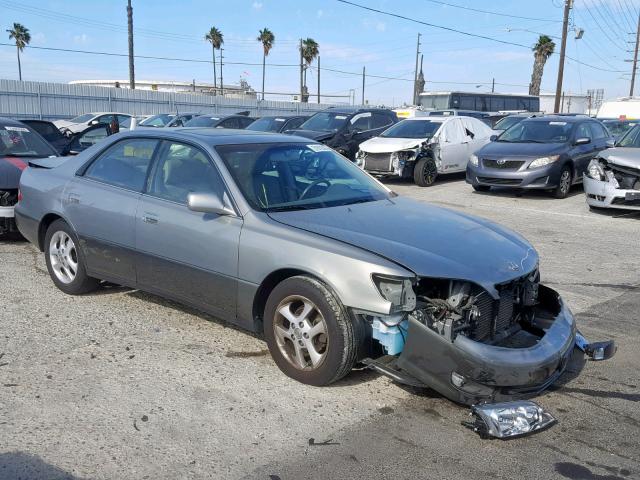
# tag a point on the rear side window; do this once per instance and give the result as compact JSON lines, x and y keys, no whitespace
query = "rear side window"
{"x":295,"y":123}
{"x":583,"y":131}
{"x":124,"y":164}
{"x":598,"y":131}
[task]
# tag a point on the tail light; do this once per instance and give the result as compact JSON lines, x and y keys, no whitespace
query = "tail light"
{"x":19,"y":195}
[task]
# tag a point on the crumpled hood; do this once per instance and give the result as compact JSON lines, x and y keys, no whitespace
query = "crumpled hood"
{"x":10,"y":171}
{"x":428,"y":240}
{"x":312,"y":134}
{"x":500,"y":149}
{"x":384,"y":145}
{"x":622,"y":156}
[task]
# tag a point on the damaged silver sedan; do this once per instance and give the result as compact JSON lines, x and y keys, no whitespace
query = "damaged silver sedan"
{"x":285,"y":237}
{"x":613,"y":177}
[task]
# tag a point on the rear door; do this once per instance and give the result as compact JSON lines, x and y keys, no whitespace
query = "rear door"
{"x":582,"y":154}
{"x":187,"y":255}
{"x":101,"y":204}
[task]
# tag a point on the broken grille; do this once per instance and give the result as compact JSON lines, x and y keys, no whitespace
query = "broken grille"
{"x":378,"y":162}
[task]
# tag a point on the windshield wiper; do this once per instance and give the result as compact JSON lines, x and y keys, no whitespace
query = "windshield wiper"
{"x":27,"y":155}
{"x":284,"y":208}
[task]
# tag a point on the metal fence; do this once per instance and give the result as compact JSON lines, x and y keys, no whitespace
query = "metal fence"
{"x":51,"y":101}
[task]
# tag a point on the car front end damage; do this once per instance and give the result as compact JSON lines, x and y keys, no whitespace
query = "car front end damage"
{"x":397,"y":163}
{"x":8,"y":200}
{"x":609,"y":185}
{"x":476,"y":347}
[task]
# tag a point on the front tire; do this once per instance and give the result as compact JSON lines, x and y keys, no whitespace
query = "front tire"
{"x":425,"y":172}
{"x":65,"y":262}
{"x":564,"y":183}
{"x":309,"y":333}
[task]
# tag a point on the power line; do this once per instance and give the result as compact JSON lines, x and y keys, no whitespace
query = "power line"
{"x":491,"y":13}
{"x":461,"y":32}
{"x":604,"y":31}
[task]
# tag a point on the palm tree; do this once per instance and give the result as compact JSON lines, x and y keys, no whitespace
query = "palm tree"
{"x":215,"y":37}
{"x":541,"y":53}
{"x":22,"y":37}
{"x":310,"y":50}
{"x":266,"y":37}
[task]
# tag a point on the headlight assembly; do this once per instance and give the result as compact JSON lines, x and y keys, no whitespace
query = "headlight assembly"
{"x":398,"y":291}
{"x":473,"y":160}
{"x":542,"y":161}
{"x":596,"y":171}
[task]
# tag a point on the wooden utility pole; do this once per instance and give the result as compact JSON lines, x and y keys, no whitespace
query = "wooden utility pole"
{"x":415,"y":76}
{"x":563,"y":48}
{"x":363,"y":77}
{"x":318,"y":78}
{"x":132,"y":76}
{"x":635,"y":59}
{"x":221,"y":78}
{"x":493,"y":85}
{"x":301,"y":74}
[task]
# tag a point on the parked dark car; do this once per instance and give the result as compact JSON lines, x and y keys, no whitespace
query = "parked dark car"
{"x":617,"y":127}
{"x":545,"y":153}
{"x":220,"y":121}
{"x":69,"y":143}
{"x":345,"y":128}
{"x":509,"y":121}
{"x":168,"y":120}
{"x":277,"y":123}
{"x":18,"y":144}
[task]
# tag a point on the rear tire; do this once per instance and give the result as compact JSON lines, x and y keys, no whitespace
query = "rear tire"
{"x":481,"y":188}
{"x":309,"y":333}
{"x":65,"y":261}
{"x":425,"y":172}
{"x":564,"y":183}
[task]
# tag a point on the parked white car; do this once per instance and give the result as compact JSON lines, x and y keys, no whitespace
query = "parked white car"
{"x":85,"y":120}
{"x":424,"y":147}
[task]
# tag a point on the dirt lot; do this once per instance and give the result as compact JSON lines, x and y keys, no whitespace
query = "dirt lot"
{"x":122,"y":384}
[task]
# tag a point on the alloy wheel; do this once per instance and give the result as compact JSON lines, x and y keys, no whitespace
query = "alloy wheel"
{"x":301,"y":332}
{"x":63,"y":256}
{"x":565,"y":181}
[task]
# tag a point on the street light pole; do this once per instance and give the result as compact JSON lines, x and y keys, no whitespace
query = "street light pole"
{"x":563,"y":48}
{"x":415,"y":76}
{"x":635,"y":59}
{"x":132,"y":76}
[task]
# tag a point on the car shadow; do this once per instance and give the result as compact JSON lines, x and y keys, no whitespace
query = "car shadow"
{"x":615,"y":212}
{"x":529,"y":194}
{"x":21,"y":465}
{"x":442,"y":179}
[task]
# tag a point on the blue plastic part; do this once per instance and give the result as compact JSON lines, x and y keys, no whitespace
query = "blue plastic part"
{"x":391,"y":337}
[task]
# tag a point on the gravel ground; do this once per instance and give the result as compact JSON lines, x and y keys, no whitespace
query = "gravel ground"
{"x":123,"y":384}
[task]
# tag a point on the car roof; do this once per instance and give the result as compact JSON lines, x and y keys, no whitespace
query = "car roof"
{"x":281,"y":116}
{"x":104,"y":113}
{"x":351,"y":110}
{"x":559,"y":118}
{"x":11,"y":122}
{"x":434,"y":119}
{"x":217,"y":136}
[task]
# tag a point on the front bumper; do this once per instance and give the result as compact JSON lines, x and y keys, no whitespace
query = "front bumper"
{"x":7,"y":222}
{"x":488,"y":373}
{"x":604,"y":195}
{"x":543,"y":178}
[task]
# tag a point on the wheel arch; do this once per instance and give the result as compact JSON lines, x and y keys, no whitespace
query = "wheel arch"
{"x":43,"y":226}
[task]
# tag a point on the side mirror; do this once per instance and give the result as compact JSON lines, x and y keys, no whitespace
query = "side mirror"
{"x":94,"y":122}
{"x":493,"y":138}
{"x":611,"y":143}
{"x":208,"y":203}
{"x":582,"y":141}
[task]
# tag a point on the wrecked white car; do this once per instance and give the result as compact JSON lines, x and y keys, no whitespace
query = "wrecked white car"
{"x":613,"y":177}
{"x":423,"y":148}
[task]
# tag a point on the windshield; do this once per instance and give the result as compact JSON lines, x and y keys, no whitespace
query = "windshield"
{"x":282,"y":176}
{"x":202,"y":122}
{"x":83,"y":118}
{"x":157,"y":120}
{"x":537,"y":131}
{"x":267,"y":124}
{"x":631,"y":139}
{"x":507,"y":122}
{"x":325,"y":122}
{"x":21,"y":141}
{"x":617,"y":128}
{"x":412,"y":129}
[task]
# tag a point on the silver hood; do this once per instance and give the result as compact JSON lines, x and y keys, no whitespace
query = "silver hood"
{"x":622,"y":156}
{"x":428,"y":240}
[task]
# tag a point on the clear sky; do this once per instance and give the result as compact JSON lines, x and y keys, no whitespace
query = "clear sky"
{"x":349,"y":39}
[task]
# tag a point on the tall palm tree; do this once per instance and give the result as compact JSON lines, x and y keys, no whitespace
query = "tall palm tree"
{"x":267,"y":38}
{"x":310,"y":50}
{"x":216,"y":39}
{"x":22,"y":37}
{"x":542,"y":50}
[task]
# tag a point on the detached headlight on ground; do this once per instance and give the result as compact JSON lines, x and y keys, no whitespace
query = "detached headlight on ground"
{"x":596,"y":171}
{"x":473,"y":160}
{"x":398,"y":291}
{"x":509,"y":419}
{"x":542,"y":161}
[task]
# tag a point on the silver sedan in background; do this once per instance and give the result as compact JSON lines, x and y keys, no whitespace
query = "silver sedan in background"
{"x":283,"y":236}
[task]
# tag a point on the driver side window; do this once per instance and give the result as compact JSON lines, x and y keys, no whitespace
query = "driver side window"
{"x":360,"y":122}
{"x":583,"y":131}
{"x":182,"y":169}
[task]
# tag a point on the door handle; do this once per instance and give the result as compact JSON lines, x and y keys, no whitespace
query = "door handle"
{"x":150,"y":219}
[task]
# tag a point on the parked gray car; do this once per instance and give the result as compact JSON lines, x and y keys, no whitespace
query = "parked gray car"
{"x":283,"y":236}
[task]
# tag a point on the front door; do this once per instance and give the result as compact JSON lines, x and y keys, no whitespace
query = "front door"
{"x":582,"y":154}
{"x":101,"y":205}
{"x":187,"y":255}
{"x":454,"y":147}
